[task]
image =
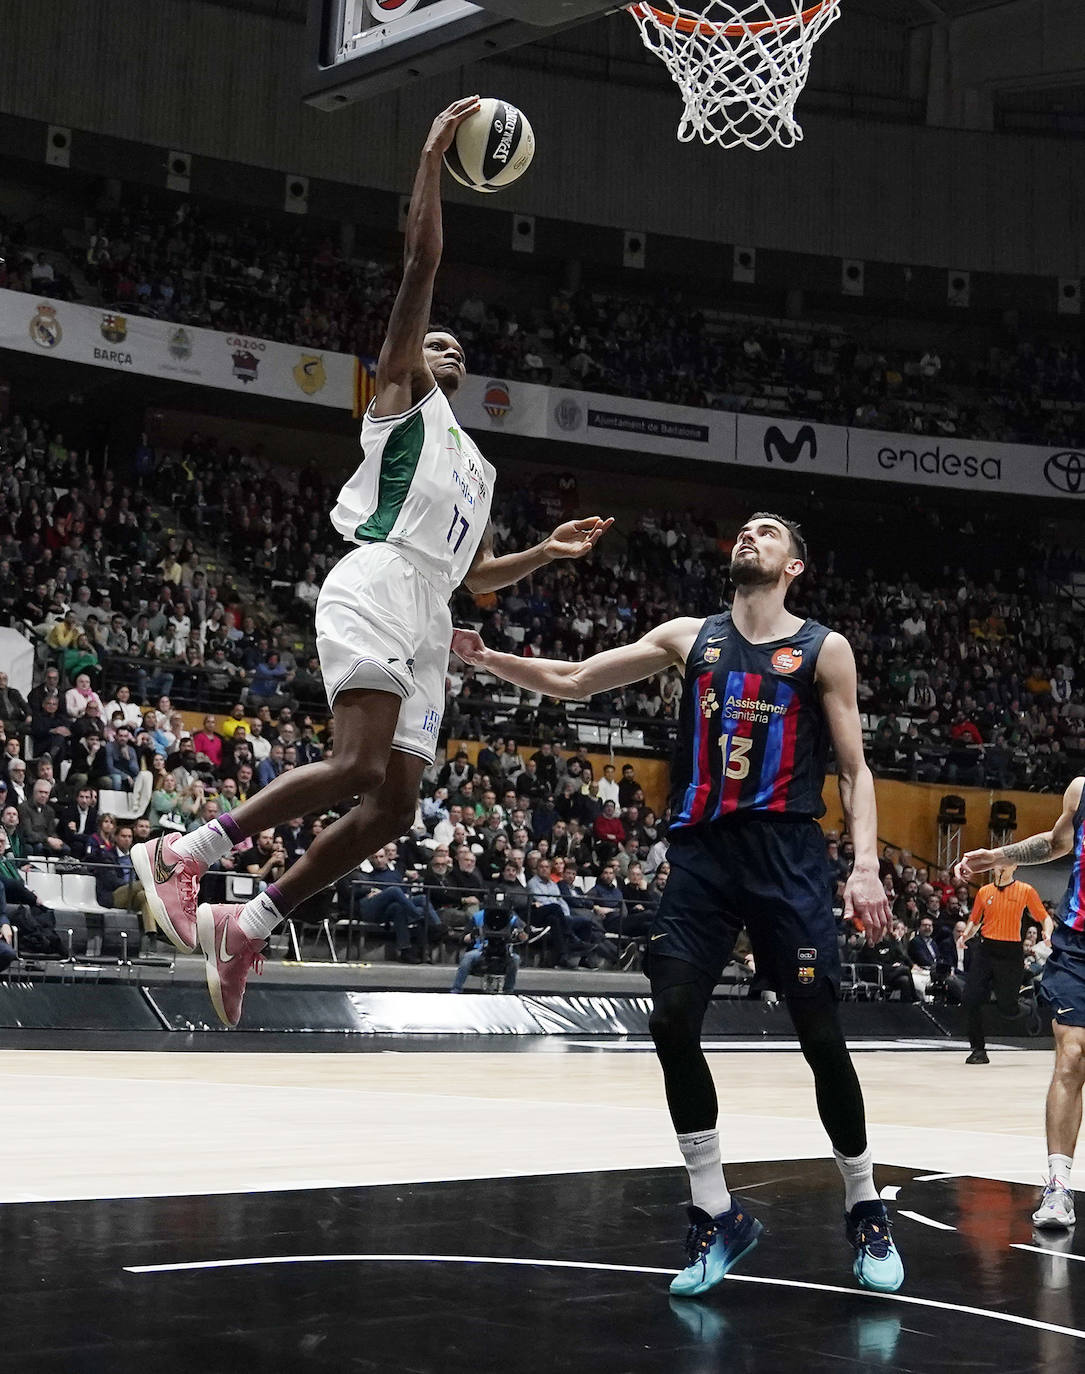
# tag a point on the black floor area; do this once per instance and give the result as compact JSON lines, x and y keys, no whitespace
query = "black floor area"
{"x":401,"y":1299}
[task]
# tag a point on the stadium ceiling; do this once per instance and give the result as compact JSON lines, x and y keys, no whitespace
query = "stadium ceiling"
{"x":909,"y":12}
{"x":934,"y":11}
{"x":894,"y":11}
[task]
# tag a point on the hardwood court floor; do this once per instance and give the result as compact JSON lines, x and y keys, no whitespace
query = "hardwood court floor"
{"x":124,"y":1124}
{"x":418,"y":1211}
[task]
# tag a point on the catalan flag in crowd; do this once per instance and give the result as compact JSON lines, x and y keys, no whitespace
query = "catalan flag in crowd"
{"x":365,"y":384}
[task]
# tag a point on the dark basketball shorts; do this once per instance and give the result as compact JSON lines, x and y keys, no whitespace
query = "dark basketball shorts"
{"x":769,"y":874}
{"x":1062,"y":985}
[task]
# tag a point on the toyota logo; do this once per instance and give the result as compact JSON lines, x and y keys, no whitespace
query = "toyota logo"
{"x":1066,"y":471}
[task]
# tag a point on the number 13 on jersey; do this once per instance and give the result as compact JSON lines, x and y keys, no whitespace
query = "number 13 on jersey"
{"x":736,"y":749}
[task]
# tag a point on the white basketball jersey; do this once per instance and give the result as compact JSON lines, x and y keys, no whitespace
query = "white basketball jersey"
{"x":422,"y":486}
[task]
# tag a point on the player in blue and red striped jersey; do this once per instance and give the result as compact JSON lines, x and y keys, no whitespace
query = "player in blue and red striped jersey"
{"x":1062,"y":992}
{"x":766,"y":694}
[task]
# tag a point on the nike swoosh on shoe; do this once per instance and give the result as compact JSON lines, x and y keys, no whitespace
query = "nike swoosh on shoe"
{"x":162,"y":873}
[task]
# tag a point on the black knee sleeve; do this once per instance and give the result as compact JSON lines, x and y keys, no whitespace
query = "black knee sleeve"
{"x":679,"y":1001}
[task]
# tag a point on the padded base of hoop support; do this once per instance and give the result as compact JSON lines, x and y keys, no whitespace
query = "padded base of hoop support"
{"x":340,"y":1014}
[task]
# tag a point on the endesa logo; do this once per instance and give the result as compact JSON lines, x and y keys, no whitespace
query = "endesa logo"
{"x":936,"y":462}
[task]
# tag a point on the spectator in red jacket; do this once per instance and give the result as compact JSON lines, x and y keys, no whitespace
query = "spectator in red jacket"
{"x":208,"y":743}
{"x":608,"y":832}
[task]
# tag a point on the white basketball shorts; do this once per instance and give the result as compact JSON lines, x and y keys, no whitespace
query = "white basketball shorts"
{"x":381,"y":624}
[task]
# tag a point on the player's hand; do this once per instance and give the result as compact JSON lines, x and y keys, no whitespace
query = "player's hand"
{"x":974,"y":862}
{"x":577,"y":537}
{"x":443,"y":129}
{"x":866,"y":905}
{"x":468,"y":645}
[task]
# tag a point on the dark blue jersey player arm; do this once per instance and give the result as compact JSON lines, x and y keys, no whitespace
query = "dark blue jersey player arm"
{"x":670,"y":644}
{"x":1068,"y":833}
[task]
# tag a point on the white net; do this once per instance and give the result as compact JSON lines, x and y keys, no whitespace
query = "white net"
{"x":740,"y":68}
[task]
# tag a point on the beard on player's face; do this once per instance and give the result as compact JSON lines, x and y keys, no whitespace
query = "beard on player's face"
{"x":756,"y":566}
{"x":751,"y":571}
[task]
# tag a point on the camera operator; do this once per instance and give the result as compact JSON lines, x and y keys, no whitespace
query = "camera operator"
{"x":494,"y":930}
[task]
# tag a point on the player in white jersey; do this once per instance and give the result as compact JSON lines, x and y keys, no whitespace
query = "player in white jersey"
{"x":417,"y":510}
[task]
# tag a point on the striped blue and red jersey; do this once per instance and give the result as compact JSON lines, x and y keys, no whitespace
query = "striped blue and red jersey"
{"x":1071,"y":910}
{"x":752,"y":737}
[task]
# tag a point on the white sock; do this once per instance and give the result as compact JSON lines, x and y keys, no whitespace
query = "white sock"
{"x":858,"y":1175}
{"x":259,"y":917}
{"x":701,"y":1151}
{"x":1058,"y":1167}
{"x":206,"y":845}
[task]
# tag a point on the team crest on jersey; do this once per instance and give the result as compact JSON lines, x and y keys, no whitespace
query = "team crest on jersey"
{"x":712,"y":655}
{"x":709,"y":703}
{"x":787,"y":660}
{"x":806,"y":973}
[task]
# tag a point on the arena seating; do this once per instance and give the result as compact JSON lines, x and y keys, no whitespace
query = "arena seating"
{"x":205,"y":264}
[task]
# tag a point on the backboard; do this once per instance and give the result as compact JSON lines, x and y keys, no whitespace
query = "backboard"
{"x":361,"y":48}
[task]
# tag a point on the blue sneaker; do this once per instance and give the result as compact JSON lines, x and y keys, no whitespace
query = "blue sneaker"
{"x":714,"y":1245}
{"x":877,"y":1263}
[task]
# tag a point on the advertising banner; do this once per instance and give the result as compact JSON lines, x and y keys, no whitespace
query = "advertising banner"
{"x":261,"y":367}
{"x":582,"y":417}
{"x":183,"y":353}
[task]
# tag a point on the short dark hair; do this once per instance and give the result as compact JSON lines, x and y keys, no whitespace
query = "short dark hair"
{"x":436,"y":327}
{"x":798,"y":539}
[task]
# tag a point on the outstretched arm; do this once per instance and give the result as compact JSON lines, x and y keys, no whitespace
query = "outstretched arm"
{"x":572,"y":540}
{"x":1037,"y":849}
{"x":864,"y":895}
{"x":658,"y":649}
{"x":402,"y":375}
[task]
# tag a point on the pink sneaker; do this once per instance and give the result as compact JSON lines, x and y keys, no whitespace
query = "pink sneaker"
{"x":172,"y":887}
{"x":229,"y":955}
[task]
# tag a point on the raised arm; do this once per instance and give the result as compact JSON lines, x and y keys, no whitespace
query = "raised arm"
{"x":403,"y":376}
{"x":658,"y":649}
{"x":1037,"y":849}
{"x":574,"y":539}
{"x":864,"y":895}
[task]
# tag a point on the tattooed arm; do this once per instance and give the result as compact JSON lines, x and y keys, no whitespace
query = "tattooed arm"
{"x":1037,"y":849}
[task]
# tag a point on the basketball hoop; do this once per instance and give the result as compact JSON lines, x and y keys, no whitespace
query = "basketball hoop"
{"x":740,"y":68}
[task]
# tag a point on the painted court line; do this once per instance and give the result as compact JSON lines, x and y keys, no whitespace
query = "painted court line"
{"x":608,"y":1268}
{"x":1051,"y":1254}
{"x":932,"y":1178}
{"x":772,"y":1045}
{"x":926,"y":1221}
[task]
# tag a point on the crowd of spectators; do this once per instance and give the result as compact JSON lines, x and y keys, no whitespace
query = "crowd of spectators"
{"x":194,"y":265}
{"x":970,"y":678}
{"x":971,"y":674}
{"x":928,"y":950}
{"x":970,"y":671}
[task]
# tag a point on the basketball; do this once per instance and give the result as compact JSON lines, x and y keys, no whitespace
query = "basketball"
{"x":493,"y":148}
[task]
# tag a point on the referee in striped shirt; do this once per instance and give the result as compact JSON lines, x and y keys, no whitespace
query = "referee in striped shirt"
{"x":998,"y":913}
